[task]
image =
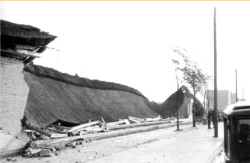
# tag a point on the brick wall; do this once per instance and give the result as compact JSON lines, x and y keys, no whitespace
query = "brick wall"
{"x":14,"y":93}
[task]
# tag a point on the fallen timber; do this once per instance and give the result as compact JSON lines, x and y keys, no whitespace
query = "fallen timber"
{"x":104,"y":135}
{"x":143,"y":120}
{"x":120,"y":122}
{"x":91,"y":131}
{"x":84,"y":125}
{"x":51,"y":135}
{"x":98,"y":118}
{"x":138,"y":125}
{"x":58,"y":131}
{"x":60,"y":127}
{"x":153,"y":119}
{"x":136,"y":120}
{"x":38,"y":130}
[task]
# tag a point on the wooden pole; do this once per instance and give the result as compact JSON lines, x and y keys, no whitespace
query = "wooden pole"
{"x":215,"y":81}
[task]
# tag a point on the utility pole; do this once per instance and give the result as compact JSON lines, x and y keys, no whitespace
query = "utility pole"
{"x":236,"y":86}
{"x":215,"y":81}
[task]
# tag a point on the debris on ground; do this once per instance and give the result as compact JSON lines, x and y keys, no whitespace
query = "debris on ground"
{"x":56,"y":130}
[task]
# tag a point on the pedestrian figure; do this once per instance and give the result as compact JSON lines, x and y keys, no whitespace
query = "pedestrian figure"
{"x":210,"y":117}
{"x":204,"y":119}
{"x":213,"y":117}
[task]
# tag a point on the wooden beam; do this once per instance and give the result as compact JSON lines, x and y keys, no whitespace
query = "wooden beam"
{"x":26,"y":47}
{"x":116,"y":123}
{"x":29,"y":53}
{"x":30,"y":59}
{"x":153,"y":119}
{"x":84,"y":125}
{"x":58,"y":131}
{"x":98,"y":118}
{"x":38,"y":130}
{"x":58,"y":135}
{"x":137,"y":120}
{"x":60,"y":127}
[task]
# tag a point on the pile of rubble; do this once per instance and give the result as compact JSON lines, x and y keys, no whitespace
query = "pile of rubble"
{"x":55,"y":131}
{"x":47,"y":151}
{"x":58,"y":131}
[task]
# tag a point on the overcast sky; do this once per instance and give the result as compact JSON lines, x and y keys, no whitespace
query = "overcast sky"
{"x":130,"y":42}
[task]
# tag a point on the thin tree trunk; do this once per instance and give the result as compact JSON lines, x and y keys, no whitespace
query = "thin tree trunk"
{"x":194,"y":118}
{"x":177,"y":101}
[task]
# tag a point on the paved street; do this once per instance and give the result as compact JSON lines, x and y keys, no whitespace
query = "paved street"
{"x":188,"y":146}
{"x":191,"y":145}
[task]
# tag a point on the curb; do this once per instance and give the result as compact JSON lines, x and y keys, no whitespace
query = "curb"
{"x":213,"y":156}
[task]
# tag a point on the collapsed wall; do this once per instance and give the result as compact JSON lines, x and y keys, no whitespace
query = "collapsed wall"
{"x":19,"y":45}
{"x":14,"y":93}
{"x":57,"y":96}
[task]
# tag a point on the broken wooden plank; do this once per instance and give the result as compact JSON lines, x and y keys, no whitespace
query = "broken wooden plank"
{"x":117,"y":127}
{"x":153,"y":119}
{"x":58,"y":131}
{"x":126,"y":121}
{"x":26,"y":47}
{"x":136,"y":120}
{"x":38,"y":130}
{"x":93,"y":128}
{"x":58,"y":135}
{"x":60,"y":127}
{"x":29,"y":53}
{"x":28,"y":131}
{"x":98,"y":118}
{"x":52,"y":142}
{"x":83,"y":125}
{"x":116,"y":123}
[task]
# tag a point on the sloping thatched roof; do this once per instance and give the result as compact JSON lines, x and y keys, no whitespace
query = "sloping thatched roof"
{"x":13,"y":34}
{"x":168,"y":107}
{"x":54,"y":95}
{"x":11,"y":54}
{"x":78,"y":81}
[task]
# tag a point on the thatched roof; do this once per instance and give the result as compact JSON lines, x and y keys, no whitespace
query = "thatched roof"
{"x":12,"y":34}
{"x":78,"y":81}
{"x":11,"y":54}
{"x":168,"y":107}
{"x":54,"y":95}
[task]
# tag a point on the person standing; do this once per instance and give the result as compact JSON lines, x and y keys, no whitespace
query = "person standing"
{"x":210,"y":117}
{"x":213,"y":117}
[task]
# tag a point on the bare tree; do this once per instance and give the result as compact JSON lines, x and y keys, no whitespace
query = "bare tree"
{"x":192,"y":75}
{"x":205,"y":92}
{"x":178,"y":81}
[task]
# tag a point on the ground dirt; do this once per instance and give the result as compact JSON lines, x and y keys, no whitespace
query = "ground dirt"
{"x":154,"y":146}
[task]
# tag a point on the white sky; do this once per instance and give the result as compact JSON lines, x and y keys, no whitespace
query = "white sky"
{"x":129,"y":42}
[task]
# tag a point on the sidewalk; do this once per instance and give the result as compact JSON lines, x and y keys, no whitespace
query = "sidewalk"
{"x":192,"y":146}
{"x":165,"y":145}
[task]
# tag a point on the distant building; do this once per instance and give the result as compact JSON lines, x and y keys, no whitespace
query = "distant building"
{"x":233,"y":98}
{"x":225,"y":98}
